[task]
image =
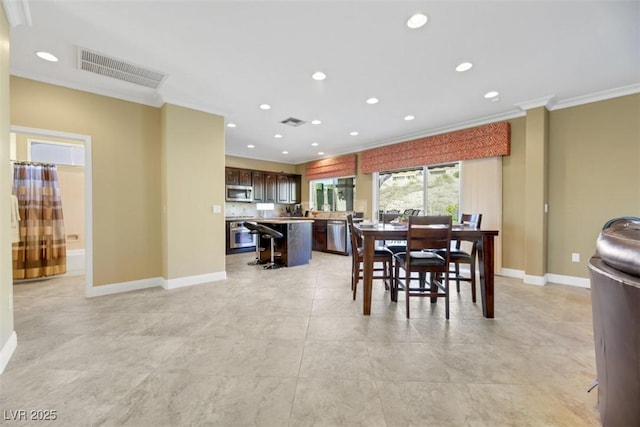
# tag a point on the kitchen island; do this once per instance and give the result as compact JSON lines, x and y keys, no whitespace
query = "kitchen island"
{"x":295,"y":245}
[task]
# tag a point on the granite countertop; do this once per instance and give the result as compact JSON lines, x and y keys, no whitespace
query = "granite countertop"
{"x":283,"y":220}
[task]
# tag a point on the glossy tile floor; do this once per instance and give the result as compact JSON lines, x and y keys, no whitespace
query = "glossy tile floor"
{"x":289,"y":347}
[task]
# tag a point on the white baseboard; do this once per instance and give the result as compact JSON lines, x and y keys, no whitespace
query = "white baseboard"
{"x":116,"y":288}
{"x":7,"y":350}
{"x":509,"y":272}
{"x":152,"y":282}
{"x":194,"y":280}
{"x":535,"y":280}
{"x":547,"y":278}
{"x":569,"y":280}
{"x":75,"y":262}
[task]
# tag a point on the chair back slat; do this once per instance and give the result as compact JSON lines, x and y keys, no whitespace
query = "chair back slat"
{"x":429,"y":232}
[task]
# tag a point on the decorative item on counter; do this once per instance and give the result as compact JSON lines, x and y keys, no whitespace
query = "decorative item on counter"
{"x":264,"y":207}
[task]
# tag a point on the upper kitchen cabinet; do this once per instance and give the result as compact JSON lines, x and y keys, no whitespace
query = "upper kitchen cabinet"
{"x":258,"y":186}
{"x":289,"y":188}
{"x":284,"y":188}
{"x":238,"y":177}
{"x":270,"y":187}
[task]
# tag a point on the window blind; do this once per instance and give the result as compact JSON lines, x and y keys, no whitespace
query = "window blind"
{"x":333,"y":167}
{"x":479,"y":142}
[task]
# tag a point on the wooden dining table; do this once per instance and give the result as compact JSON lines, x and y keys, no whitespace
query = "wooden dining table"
{"x":371,"y":233}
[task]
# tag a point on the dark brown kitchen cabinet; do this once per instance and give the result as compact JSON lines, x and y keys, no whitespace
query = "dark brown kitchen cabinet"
{"x":270,"y":187}
{"x":258,"y":186}
{"x":284,"y":188}
{"x":238,"y":177}
{"x":294,"y":189}
{"x":319,"y":232}
{"x":289,"y":188}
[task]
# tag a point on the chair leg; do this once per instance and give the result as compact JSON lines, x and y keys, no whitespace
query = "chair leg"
{"x":407,"y":284}
{"x":472,"y":267}
{"x":446,"y":294}
{"x":457,"y":270}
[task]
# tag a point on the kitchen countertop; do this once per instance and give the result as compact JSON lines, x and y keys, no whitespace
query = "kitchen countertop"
{"x":282,"y":219}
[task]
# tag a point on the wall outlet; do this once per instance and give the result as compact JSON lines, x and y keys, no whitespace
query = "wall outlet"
{"x":216,"y":209}
{"x":575,"y":257}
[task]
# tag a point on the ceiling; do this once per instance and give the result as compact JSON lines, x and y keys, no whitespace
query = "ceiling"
{"x":228,"y":57}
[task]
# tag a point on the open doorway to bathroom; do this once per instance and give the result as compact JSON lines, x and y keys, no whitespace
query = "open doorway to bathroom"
{"x":71,"y":153}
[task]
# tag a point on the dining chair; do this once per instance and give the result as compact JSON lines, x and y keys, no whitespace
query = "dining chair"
{"x":426,"y":235}
{"x":357,"y":255}
{"x":459,"y":256}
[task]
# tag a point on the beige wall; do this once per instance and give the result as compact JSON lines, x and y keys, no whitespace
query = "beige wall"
{"x":259,"y":165}
{"x":513,"y":198}
{"x":6,"y":279}
{"x":193,"y":161}
{"x":125,"y":169}
{"x":594,"y":175}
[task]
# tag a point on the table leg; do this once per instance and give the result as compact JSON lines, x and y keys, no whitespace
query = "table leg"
{"x":367,"y":277}
{"x":485,"y":261}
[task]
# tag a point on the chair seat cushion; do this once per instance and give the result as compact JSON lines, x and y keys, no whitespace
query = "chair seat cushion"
{"x":379,"y":251}
{"x":421,"y":258}
{"x":394,"y":249}
{"x":456,"y":255}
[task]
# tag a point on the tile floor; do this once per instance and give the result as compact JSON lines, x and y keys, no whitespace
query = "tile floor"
{"x":290,"y":348}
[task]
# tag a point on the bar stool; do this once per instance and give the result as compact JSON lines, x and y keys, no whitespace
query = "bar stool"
{"x":271,"y":234}
{"x":256,"y":232}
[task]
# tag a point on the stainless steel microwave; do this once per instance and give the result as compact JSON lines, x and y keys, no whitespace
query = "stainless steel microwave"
{"x":239,"y":193}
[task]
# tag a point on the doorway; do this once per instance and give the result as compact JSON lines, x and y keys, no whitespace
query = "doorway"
{"x":85,"y":141}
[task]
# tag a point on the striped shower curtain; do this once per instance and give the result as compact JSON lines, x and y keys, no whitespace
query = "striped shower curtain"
{"x":41,"y":250}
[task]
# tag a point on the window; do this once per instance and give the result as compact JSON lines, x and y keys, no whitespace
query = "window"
{"x":431,"y":190}
{"x":337,"y":194}
{"x":58,"y":153}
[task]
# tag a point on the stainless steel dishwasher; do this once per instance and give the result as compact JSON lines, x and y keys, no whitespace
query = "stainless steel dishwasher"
{"x":337,"y":236}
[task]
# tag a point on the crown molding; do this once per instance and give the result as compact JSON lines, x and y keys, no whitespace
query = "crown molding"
{"x":598,"y":96}
{"x":18,"y":12}
{"x":545,"y":101}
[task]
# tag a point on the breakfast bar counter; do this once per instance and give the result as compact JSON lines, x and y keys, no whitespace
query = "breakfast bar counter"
{"x":295,"y":245}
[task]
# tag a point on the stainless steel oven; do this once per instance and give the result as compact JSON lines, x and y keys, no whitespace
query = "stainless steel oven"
{"x":240,"y":236}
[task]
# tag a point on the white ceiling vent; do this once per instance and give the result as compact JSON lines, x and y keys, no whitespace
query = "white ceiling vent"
{"x":117,"y":69}
{"x":293,"y":122}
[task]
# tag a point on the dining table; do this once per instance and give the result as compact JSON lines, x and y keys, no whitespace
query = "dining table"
{"x":371,"y":233}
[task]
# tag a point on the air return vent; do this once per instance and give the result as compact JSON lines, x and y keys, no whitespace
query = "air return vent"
{"x":293,"y":122}
{"x":117,"y":69}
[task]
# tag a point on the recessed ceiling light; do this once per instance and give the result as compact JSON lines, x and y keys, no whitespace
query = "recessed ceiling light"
{"x":417,"y":21}
{"x":251,"y":146}
{"x":316,"y":122}
{"x":372,"y":101}
{"x":231,"y":125}
{"x":409,"y":117}
{"x":265,"y":106}
{"x":354,"y":133}
{"x":285,"y":152}
{"x":314,"y":144}
{"x":496,"y":99}
{"x":47,"y":56}
{"x":464,"y":66}
{"x":320,"y":153}
{"x":318,"y":75}
{"x":491,"y":94}
{"x":277,"y":135}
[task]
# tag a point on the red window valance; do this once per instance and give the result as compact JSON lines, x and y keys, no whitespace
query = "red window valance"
{"x":332,"y":168}
{"x":483,"y":141}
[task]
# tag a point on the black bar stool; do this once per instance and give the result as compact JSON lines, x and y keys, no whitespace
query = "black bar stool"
{"x":255,"y":230}
{"x":271,"y":234}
